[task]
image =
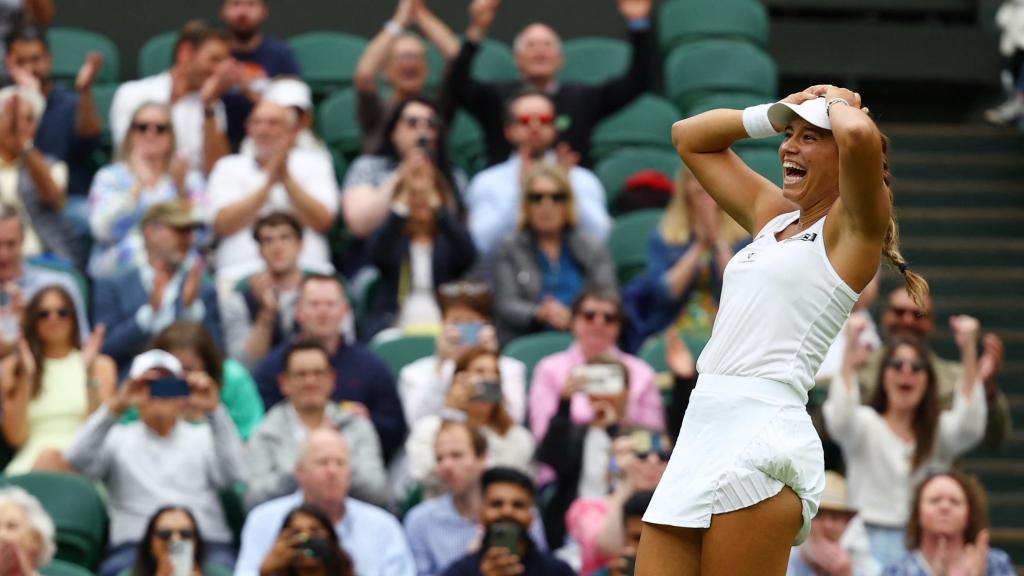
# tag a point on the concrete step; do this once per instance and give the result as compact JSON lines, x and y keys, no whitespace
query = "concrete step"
{"x":975,"y":282}
{"x":995,"y":221}
{"x":977,"y":138}
{"x":1006,"y":510}
{"x":996,"y":474}
{"x":976,"y":193}
{"x":946,"y":251}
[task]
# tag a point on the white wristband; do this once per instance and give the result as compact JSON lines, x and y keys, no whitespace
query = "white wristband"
{"x":756,"y":122}
{"x":393,"y":28}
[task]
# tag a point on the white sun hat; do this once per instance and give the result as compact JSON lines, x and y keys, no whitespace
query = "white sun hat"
{"x":814,"y":111}
{"x":155,"y":359}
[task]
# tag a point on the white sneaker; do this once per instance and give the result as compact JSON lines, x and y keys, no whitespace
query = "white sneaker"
{"x":1007,"y":112}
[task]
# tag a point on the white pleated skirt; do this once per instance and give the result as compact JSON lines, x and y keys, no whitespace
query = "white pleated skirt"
{"x":742,"y":440}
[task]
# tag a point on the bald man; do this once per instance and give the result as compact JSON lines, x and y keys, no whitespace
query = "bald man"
{"x":538,"y":57}
{"x":371,"y":536}
{"x":903,"y":318}
{"x":276,"y":176}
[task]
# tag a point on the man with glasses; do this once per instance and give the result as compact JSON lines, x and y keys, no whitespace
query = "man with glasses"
{"x":493,"y":195}
{"x":275,"y":177}
{"x":902,"y":317}
{"x":272,"y":452}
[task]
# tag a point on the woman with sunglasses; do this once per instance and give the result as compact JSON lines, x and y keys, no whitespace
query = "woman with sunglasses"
{"x":475,"y":397}
{"x":419,"y":247}
{"x":541,"y":268}
{"x":147,"y":172}
{"x":171,"y":545}
{"x":414,"y":132}
{"x":889,"y":444}
{"x":51,"y":383}
{"x":307,"y":546}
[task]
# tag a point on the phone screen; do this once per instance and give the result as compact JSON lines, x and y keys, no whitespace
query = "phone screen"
{"x":169,"y":387}
{"x":182,"y":557}
{"x":469,"y":332}
{"x":504,"y":535}
{"x":604,"y":379}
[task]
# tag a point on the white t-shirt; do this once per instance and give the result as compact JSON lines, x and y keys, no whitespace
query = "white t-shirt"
{"x":187,"y":114}
{"x":237,"y":176}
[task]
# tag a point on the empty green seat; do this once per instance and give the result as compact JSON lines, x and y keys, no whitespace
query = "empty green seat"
{"x":614,"y":170}
{"x":156,"y":54}
{"x":595,"y":60}
{"x":77,"y":510}
{"x":60,"y":568}
{"x":653,"y":350}
{"x":398,"y":353}
{"x":764,"y":161}
{"x":700,"y":69}
{"x":336,"y":121}
{"x":645,"y":122}
{"x":327,"y":59}
{"x":466,"y":143}
{"x":69,"y":46}
{"x":533,"y":348}
{"x":628,"y":242}
{"x":493,"y":63}
{"x":684,"y":21}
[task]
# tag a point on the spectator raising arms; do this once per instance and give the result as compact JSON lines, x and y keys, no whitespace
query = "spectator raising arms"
{"x":889,"y":444}
{"x":541,"y":269}
{"x":148,"y":172}
{"x":53,"y":382}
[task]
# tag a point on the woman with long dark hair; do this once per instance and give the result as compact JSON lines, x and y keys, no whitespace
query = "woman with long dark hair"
{"x":889,"y":444}
{"x":307,"y":546}
{"x":171,"y":539}
{"x":52,"y":382}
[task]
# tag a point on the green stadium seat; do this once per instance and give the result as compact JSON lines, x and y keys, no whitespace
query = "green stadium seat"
{"x":764,"y":161}
{"x":69,"y":46}
{"x":653,"y":350}
{"x":60,"y":568}
{"x":208,"y":570}
{"x":532,"y":348}
{"x":595,"y":60}
{"x":645,"y":122}
{"x":614,"y":170}
{"x":77,"y":510}
{"x":336,"y":121}
{"x":466,"y":143}
{"x":232,"y":501}
{"x":103,"y":97}
{"x":493,"y":63}
{"x":697,"y":70}
{"x":327,"y":59}
{"x":156,"y":54}
{"x":628,"y":242}
{"x":397,"y":353}
{"x":684,"y":21}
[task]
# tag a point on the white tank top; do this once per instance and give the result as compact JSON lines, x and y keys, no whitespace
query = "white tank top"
{"x":782,"y":306}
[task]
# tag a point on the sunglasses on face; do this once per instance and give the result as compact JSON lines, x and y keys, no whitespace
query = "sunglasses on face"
{"x":901,"y":312}
{"x":531,"y":119}
{"x":156,"y":127}
{"x":663,"y":456}
{"x":898,"y":365}
{"x":608,"y":317}
{"x":62,"y":313}
{"x":538,"y":197}
{"x":183,"y":533}
{"x":416,"y":122}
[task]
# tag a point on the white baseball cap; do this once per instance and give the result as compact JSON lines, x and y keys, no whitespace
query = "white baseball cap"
{"x":155,"y":359}
{"x":814,"y":111}
{"x":288,"y":91}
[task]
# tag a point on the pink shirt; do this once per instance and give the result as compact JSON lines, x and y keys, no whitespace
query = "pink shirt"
{"x":583,"y":522}
{"x":549,"y":377}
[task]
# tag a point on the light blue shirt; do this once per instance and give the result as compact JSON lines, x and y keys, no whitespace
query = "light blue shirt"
{"x":439,"y":535}
{"x":371,"y":536}
{"x":493,"y":203}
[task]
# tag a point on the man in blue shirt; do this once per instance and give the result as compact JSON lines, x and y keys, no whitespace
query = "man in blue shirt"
{"x":370,"y":535}
{"x":443,"y":529}
{"x":508,"y":502}
{"x":70,"y":127}
{"x":259,"y":57}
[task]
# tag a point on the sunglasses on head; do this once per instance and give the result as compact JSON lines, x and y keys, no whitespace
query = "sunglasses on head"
{"x":62,"y":312}
{"x":143,"y":127}
{"x":538,"y":197}
{"x":900,"y":311}
{"x":416,"y":122}
{"x":457,"y":289}
{"x":531,"y":119}
{"x":898,"y":365}
{"x":183,"y":533}
{"x":591,"y":315}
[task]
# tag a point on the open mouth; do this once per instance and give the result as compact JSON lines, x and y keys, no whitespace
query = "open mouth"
{"x":793,"y":172}
{"x":905,"y":388}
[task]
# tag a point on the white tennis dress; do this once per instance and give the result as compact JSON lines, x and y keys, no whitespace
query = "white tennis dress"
{"x":746,"y":432}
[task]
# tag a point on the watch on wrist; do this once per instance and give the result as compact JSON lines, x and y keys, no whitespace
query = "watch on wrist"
{"x":27,"y":147}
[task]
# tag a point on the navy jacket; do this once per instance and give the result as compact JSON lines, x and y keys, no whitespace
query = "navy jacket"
{"x":536,"y":564}
{"x":361,"y":377}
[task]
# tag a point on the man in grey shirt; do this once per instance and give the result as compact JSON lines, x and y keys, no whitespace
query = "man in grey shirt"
{"x":160,"y":459}
{"x":272,"y":452}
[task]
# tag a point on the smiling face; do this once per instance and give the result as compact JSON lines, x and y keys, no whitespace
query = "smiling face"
{"x":321,"y":308}
{"x":407,"y":68}
{"x":54,"y":318}
{"x":596,"y":326}
{"x":810,"y":163}
{"x":546,"y":203}
{"x":905,"y":378}
{"x":151,"y":136}
{"x":538,"y":54}
{"x":531,"y":123}
{"x":944,"y":509}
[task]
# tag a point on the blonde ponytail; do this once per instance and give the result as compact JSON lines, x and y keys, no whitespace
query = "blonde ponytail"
{"x":916,"y":285}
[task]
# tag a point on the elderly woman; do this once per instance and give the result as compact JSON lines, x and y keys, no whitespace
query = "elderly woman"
{"x":540,"y":269}
{"x":26,"y":533}
{"x":40,"y":181}
{"x":147,"y":173}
